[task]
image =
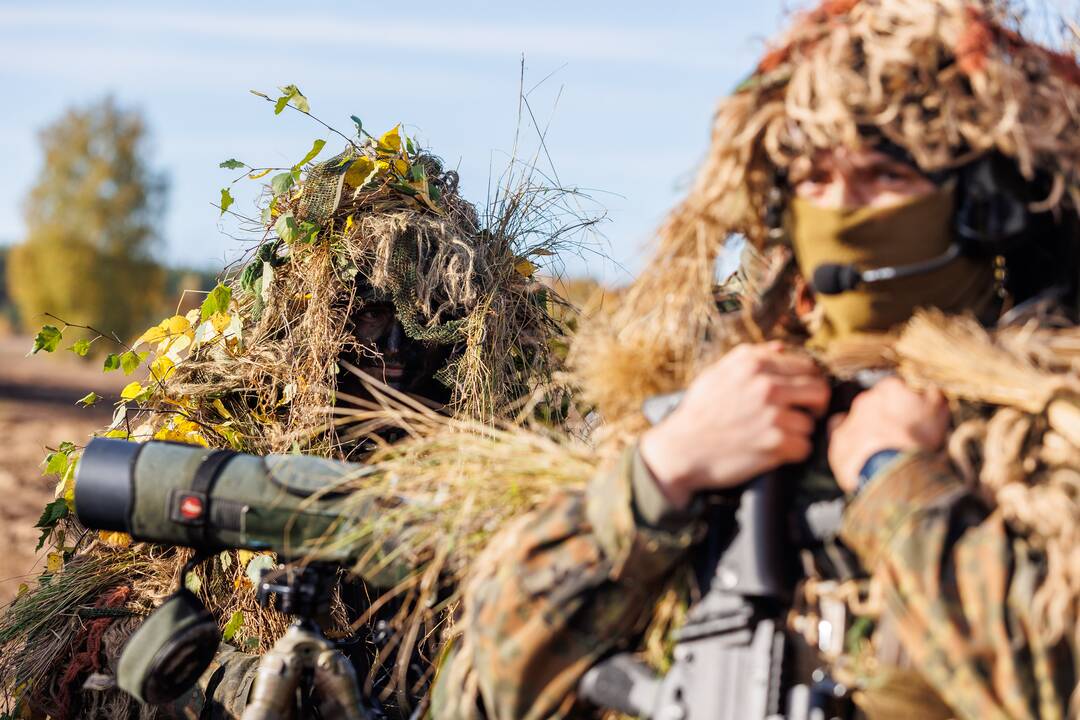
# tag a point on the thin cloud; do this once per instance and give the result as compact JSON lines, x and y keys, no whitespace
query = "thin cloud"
{"x":478,"y":39}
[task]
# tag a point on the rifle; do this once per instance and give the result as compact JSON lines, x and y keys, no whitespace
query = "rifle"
{"x":733,"y":657}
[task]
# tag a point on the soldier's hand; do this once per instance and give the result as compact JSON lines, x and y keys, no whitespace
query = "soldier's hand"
{"x":888,"y":416}
{"x":750,"y":412}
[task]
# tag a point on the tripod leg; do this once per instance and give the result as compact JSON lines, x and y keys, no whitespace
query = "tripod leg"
{"x":337,"y":687}
{"x":273,"y":694}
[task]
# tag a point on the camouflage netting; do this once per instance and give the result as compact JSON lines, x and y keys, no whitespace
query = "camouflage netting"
{"x":257,"y":370}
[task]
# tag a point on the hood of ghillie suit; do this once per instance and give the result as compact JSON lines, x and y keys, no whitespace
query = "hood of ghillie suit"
{"x":376,"y":223}
{"x":945,"y":81}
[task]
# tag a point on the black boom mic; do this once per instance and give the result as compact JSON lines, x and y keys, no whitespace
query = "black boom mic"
{"x":834,"y":279}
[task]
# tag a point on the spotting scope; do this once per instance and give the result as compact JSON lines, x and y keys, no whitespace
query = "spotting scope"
{"x":211,"y":500}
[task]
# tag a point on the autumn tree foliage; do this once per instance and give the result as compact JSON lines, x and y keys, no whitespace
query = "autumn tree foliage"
{"x":92,"y":223}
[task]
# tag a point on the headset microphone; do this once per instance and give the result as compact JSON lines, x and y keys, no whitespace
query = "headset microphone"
{"x":834,"y":279}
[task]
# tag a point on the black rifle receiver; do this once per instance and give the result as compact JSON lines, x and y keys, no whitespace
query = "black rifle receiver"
{"x":732,"y":658}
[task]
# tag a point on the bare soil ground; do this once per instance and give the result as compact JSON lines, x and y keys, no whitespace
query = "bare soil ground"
{"x":38,"y":411}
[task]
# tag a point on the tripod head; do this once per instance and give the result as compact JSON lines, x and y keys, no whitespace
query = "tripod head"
{"x":299,"y":590}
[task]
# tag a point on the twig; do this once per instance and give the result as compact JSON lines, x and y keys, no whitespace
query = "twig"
{"x":331,"y":129}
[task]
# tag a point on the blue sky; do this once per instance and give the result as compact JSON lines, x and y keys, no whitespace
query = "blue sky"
{"x":635,"y":83}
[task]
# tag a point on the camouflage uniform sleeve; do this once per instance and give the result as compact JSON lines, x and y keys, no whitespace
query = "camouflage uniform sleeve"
{"x":556,"y":591}
{"x":221,"y":692}
{"x":958,"y":588}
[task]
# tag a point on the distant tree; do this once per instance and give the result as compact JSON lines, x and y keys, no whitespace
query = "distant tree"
{"x":92,"y":223}
{"x":7,"y":310}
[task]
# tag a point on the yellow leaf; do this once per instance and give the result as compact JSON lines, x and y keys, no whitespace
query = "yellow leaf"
{"x":244,"y":557}
{"x":66,"y":487}
{"x":391,"y":140}
{"x":220,"y":407}
{"x":349,"y":224}
{"x":402,"y":167}
{"x":115,"y":539}
{"x":260,"y":174}
{"x":182,"y":429}
{"x":131,"y":390}
{"x":152,"y":335}
{"x":23,"y":589}
{"x":54,"y":562}
{"x":230,"y":435}
{"x":161,"y":367}
{"x":177,"y":325}
{"x":525,"y":268}
{"x":360,"y":172}
{"x":184,"y":425}
{"x":180,"y":402}
{"x":220,"y":321}
{"x":174,"y":346}
{"x":118,"y":432}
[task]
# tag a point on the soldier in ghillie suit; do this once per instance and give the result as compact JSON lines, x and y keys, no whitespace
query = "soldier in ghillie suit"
{"x":378,"y":299}
{"x":929,"y":135}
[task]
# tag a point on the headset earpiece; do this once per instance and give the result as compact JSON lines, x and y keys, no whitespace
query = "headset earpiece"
{"x":991,"y":214}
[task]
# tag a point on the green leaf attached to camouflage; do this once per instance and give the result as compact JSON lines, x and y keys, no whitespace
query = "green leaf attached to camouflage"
{"x":130,"y":361}
{"x":281,"y":183}
{"x":292,"y":94}
{"x":53,"y":513}
{"x":216,"y":301}
{"x":56,"y":463}
{"x":309,"y":231}
{"x":193,"y":582}
{"x":226,"y":200}
{"x":234,"y":624}
{"x":232,"y":164}
{"x":90,"y":399}
{"x":80,"y":348}
{"x":287,"y":228}
{"x":316,"y":148}
{"x":112,"y":362}
{"x":47,"y":339}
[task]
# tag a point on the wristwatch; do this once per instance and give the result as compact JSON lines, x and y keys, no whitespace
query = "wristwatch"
{"x":873,"y":466}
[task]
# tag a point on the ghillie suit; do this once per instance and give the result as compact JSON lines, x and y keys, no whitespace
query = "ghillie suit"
{"x":257,"y":369}
{"x":947,"y":86}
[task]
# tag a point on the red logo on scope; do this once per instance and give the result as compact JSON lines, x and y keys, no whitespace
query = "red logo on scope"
{"x":191,"y":508}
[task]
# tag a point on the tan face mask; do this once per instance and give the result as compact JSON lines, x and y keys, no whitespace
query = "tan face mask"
{"x":871,"y":237}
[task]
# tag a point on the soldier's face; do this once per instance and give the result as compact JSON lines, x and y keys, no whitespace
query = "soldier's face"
{"x":388,"y":354}
{"x":844,"y":178}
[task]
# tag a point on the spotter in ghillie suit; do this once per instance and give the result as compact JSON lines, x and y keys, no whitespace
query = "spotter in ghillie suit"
{"x":373,"y":273}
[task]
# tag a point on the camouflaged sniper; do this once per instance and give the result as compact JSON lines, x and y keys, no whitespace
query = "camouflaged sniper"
{"x":966,"y":607}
